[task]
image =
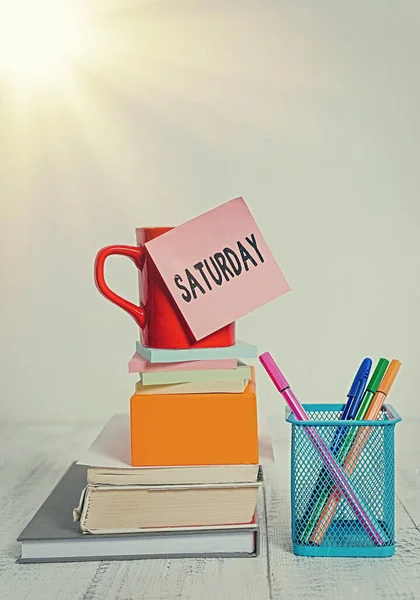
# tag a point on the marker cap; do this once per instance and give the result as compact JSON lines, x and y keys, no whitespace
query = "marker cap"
{"x":377,"y":375}
{"x":274,"y":372}
{"x":361,"y":377}
{"x":390,"y":375}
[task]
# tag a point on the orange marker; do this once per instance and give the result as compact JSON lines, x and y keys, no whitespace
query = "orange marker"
{"x":383,"y":390}
{"x":356,"y":449}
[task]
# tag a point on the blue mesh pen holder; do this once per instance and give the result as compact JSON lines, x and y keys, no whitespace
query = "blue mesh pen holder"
{"x":323,"y":523}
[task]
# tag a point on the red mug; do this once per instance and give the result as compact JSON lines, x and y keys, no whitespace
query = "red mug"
{"x":159,"y":318}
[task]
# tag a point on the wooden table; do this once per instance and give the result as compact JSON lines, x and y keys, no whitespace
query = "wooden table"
{"x":34,"y":456}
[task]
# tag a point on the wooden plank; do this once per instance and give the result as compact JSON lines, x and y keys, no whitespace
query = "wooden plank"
{"x":33,"y":458}
{"x":48,"y":451}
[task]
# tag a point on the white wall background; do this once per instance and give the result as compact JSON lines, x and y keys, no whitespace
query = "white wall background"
{"x":309,"y":110}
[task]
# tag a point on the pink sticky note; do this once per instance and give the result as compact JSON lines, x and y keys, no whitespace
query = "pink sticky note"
{"x":217,"y":267}
{"x":138,"y":364}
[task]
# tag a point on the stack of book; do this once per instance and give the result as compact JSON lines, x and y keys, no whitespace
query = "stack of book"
{"x":194,"y":448}
{"x":179,"y":476}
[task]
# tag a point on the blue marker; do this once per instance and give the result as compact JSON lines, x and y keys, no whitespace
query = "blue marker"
{"x":354,"y":398}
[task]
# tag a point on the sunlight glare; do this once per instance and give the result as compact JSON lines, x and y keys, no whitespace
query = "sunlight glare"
{"x":39,"y":40}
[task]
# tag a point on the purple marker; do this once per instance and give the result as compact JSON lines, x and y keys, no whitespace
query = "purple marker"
{"x":368,"y":521}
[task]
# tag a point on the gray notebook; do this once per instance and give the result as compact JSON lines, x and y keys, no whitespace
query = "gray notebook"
{"x":53,"y":536}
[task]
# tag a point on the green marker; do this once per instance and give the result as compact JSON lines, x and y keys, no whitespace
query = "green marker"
{"x":346,"y":445}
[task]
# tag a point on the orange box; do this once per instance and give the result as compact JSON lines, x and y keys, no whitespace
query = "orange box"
{"x":194,"y":429}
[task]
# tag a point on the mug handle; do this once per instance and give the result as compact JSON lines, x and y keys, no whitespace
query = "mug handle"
{"x":137,"y":255}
